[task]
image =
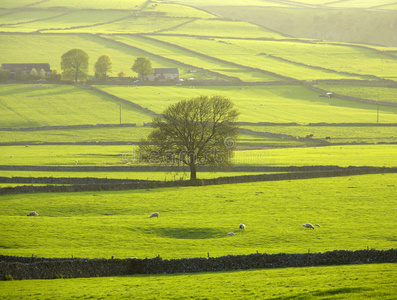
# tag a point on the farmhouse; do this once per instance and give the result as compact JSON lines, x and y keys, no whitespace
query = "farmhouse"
{"x":25,"y":69}
{"x":163,"y":74}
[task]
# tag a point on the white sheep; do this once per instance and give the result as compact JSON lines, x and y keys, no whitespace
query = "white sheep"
{"x":32,"y":214}
{"x":155,"y":214}
{"x":230,"y":234}
{"x":308,"y":225}
{"x":241,"y":226}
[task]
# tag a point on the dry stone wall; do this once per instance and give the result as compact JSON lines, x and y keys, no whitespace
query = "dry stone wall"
{"x":48,"y":268}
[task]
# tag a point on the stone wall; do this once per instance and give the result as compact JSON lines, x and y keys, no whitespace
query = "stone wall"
{"x":48,"y":268}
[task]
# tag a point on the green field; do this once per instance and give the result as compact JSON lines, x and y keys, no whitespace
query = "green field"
{"x":100,"y":155}
{"x":273,"y":51}
{"x":385,"y":94}
{"x":44,"y":105}
{"x":105,"y":224}
{"x":279,"y":103}
{"x":343,"y":282}
{"x":337,"y":134}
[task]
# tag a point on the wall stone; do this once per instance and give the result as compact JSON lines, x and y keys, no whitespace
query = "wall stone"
{"x":48,"y":268}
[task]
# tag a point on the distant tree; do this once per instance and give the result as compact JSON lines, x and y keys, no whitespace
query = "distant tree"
{"x":33,"y":73}
{"x":54,"y":75}
{"x":199,"y":131}
{"x":121,"y":74}
{"x":103,"y":65}
{"x":42,"y":73}
{"x":142,"y":66}
{"x":4,"y":74}
{"x":74,"y":65}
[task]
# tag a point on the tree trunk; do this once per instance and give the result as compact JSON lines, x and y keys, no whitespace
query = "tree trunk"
{"x":193,"y":175}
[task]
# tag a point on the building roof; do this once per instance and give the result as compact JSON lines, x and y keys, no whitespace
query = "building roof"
{"x":166,"y":71}
{"x":26,"y":67}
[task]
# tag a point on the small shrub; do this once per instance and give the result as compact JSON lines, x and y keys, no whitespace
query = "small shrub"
{"x":8,"y":278}
{"x":58,"y":276}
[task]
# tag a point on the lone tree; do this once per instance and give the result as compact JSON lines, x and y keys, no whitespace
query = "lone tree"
{"x":74,"y":64}
{"x":103,"y":65}
{"x":142,"y":66}
{"x":199,"y":131}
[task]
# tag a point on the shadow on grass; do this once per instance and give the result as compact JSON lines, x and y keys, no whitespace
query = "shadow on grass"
{"x":190,"y":233}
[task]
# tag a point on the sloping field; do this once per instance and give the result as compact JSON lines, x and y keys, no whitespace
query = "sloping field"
{"x":237,"y":3}
{"x":386,"y":94}
{"x":361,"y":3}
{"x":96,"y":155}
{"x":49,"y":48}
{"x":340,"y":58}
{"x":105,"y":224}
{"x":374,"y":281}
{"x":135,"y":24}
{"x":235,"y":52}
{"x":336,"y":134}
{"x":279,"y":103}
{"x":176,"y":10}
{"x":24,"y":17}
{"x":92,"y":4}
{"x":51,"y":105}
{"x":186,"y":56}
{"x":222,"y":28}
{"x":341,"y":25}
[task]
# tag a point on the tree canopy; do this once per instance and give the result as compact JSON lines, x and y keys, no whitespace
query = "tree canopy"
{"x":74,"y":64}
{"x":142,"y":66}
{"x":199,"y":131}
{"x":103,"y":65}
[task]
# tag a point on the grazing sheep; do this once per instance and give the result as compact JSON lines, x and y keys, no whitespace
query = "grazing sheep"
{"x":308,"y":225}
{"x":155,"y":214}
{"x":317,"y":225}
{"x":230,"y":234}
{"x":32,"y":214}
{"x":241,"y":226}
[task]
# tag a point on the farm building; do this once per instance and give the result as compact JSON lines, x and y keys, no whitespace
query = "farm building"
{"x":25,"y":69}
{"x":163,"y":74}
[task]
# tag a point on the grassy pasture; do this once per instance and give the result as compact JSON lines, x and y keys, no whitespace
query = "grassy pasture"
{"x":386,"y":94}
{"x":93,"y":4}
{"x":362,"y":3}
{"x":222,"y":28}
{"x":189,"y":58}
{"x":343,"y":282}
{"x":238,"y":3}
{"x":176,"y":10}
{"x":341,"y":58}
{"x":105,"y":224}
{"x":24,"y":16}
{"x":112,"y":134}
{"x":236,"y":52}
{"x":135,"y":24}
{"x":96,"y":155}
{"x":35,"y":105}
{"x":142,"y":175}
{"x":338,"y":134}
{"x":122,"y":135}
{"x":14,"y":4}
{"x":281,"y":103}
{"x":15,"y":48}
{"x":62,"y":22}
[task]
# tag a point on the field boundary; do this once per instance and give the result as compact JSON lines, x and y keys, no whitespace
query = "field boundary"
{"x":332,"y":172}
{"x":21,"y":268}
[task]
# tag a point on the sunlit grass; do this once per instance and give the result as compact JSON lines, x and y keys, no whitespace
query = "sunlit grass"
{"x":343,"y":282}
{"x":194,"y":221}
{"x":263,"y":103}
{"x":36,"y":105}
{"x":124,"y":155}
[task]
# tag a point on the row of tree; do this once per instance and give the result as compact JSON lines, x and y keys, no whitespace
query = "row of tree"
{"x":74,"y":65}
